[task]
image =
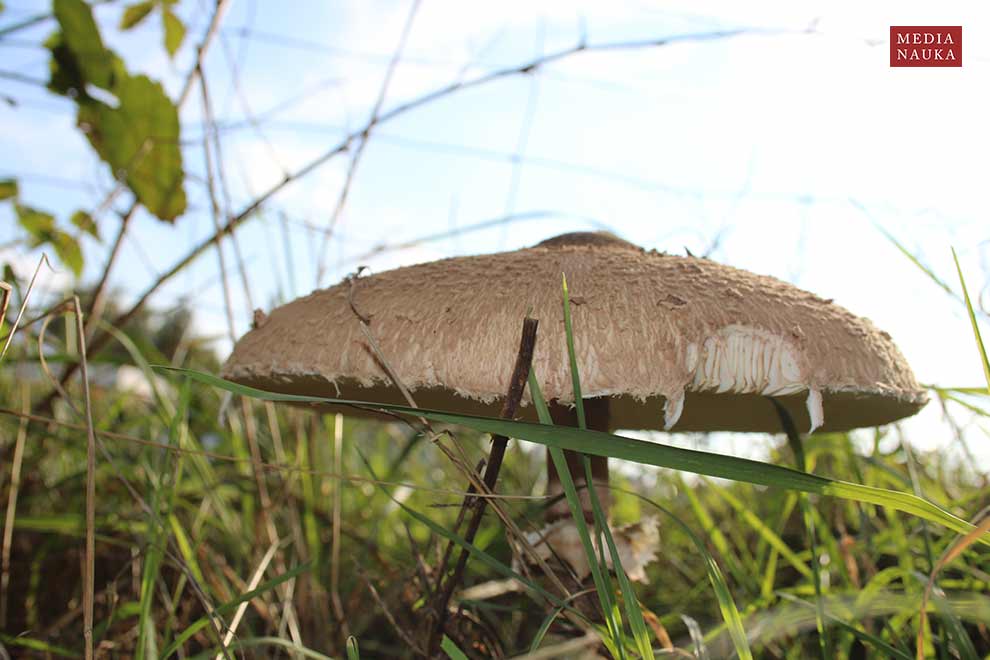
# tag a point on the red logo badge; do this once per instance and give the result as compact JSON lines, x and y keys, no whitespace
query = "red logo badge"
{"x":927,"y":45}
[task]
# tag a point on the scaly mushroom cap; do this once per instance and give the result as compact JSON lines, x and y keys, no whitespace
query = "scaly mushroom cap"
{"x":680,"y":343}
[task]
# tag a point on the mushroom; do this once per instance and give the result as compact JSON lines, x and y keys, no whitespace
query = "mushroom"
{"x":662,"y":342}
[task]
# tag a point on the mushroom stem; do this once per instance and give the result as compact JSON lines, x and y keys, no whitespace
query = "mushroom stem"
{"x":597,"y":418}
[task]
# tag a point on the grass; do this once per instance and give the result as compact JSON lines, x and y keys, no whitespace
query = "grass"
{"x":213,"y":534}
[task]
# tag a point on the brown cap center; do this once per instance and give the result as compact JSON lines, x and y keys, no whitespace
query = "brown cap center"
{"x":595,"y":238}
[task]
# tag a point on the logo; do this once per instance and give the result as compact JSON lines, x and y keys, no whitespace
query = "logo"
{"x":929,"y":45}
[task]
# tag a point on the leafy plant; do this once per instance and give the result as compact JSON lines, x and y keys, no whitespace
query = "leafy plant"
{"x":128,"y":119}
{"x":42,"y":230}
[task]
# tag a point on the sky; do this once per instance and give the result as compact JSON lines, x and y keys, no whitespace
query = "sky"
{"x":791,"y":149}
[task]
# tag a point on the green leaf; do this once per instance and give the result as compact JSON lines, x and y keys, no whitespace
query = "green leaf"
{"x":174,"y":31}
{"x":8,"y":188}
{"x":85,"y":222}
{"x":139,"y":140}
{"x":79,"y":48}
{"x":41,"y":227}
{"x":39,"y":224}
{"x":136,"y":13}
{"x":68,"y":251}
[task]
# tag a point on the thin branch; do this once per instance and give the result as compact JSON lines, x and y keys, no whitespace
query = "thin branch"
{"x":251,"y":118}
{"x":98,"y":303}
{"x":37,"y":19}
{"x":529,"y":114}
{"x":524,"y":216}
{"x":21,"y":78}
{"x":356,"y":158}
{"x":405,"y":636}
{"x":517,"y":386}
{"x":215,"y":206}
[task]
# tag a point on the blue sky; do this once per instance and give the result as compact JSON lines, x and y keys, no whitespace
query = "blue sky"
{"x":784,"y":151}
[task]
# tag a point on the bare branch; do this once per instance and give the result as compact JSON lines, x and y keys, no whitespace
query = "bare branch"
{"x":356,"y":158}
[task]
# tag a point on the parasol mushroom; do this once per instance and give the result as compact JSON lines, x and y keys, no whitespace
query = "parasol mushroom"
{"x":662,"y":342}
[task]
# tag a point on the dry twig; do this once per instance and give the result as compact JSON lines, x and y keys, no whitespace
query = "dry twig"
{"x":517,"y":386}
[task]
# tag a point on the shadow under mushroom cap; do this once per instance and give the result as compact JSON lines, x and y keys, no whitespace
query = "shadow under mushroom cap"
{"x":678,"y":342}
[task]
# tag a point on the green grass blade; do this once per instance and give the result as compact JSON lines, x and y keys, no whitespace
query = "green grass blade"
{"x":448,"y":647}
{"x":925,"y":269}
{"x":633,"y":611}
{"x":763,"y":530}
{"x":927,"y":539}
{"x":163,"y":492}
{"x":572,"y":356}
{"x":353,"y":652}
{"x":958,"y":636}
{"x":601,"y":524}
{"x":899,"y":501}
{"x":726,"y":604}
{"x":163,"y":403}
{"x":602,"y":589}
{"x":972,"y":319}
{"x":544,"y":629}
{"x":648,"y":453}
{"x":797,"y":447}
{"x":41,"y":646}
{"x":733,"y":564}
{"x":862,"y":635}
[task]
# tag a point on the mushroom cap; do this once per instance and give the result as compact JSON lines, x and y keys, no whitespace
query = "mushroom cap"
{"x":681,"y":343}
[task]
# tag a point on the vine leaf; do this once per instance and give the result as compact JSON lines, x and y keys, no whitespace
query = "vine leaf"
{"x":131,"y":122}
{"x":85,"y":222}
{"x":40,"y":226}
{"x":79,"y":50}
{"x":136,"y":13}
{"x":139,"y":140}
{"x":174,"y":31}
